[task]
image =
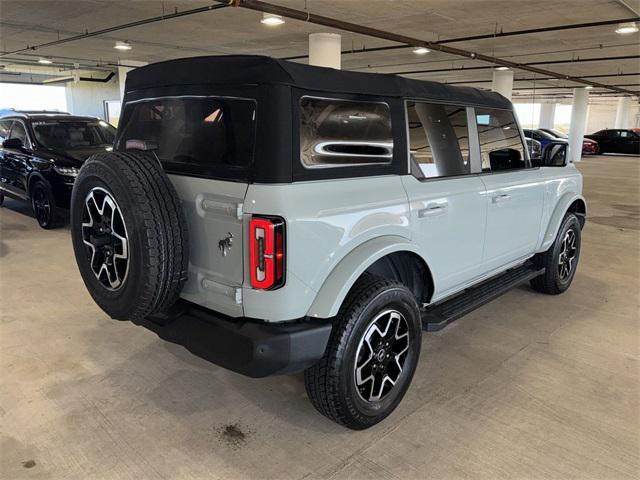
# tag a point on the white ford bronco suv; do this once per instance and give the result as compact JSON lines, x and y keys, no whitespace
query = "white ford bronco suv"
{"x":274,"y":217}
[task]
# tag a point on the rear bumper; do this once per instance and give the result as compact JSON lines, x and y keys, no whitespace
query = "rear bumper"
{"x":246,"y":346}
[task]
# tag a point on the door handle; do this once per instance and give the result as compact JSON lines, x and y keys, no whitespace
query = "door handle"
{"x":503,"y":197}
{"x":433,"y":209}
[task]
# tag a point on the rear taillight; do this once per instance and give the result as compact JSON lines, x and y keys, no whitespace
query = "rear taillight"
{"x":266,"y":252}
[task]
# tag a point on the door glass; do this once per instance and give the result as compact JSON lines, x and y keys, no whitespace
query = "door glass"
{"x":18,"y":131}
{"x":438,"y":139}
{"x":4,"y":129}
{"x":500,"y":142}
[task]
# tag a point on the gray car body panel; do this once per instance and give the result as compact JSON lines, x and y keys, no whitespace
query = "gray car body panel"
{"x":336,"y":229}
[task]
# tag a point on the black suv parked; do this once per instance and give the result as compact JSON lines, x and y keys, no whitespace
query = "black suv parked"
{"x":41,"y":154}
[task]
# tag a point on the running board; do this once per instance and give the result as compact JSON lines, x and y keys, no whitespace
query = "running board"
{"x":438,"y":316}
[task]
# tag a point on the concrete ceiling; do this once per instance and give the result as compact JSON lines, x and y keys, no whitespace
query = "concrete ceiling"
{"x":237,"y":30}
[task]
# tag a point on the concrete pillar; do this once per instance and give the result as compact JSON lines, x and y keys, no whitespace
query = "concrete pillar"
{"x":325,"y":49}
{"x":622,"y":112}
{"x":578,"y":123}
{"x":503,"y":82}
{"x":547,"y":115}
{"x":122,"y":73}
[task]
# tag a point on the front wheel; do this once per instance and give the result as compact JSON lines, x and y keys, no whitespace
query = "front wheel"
{"x":561,"y":260}
{"x":44,"y":206}
{"x":371,"y":356}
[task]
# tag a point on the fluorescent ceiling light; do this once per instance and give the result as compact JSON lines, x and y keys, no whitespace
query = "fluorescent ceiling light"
{"x":46,"y":61}
{"x":421,"y":50}
{"x":502,"y":69}
{"x":588,"y":87}
{"x":271,"y":19}
{"x":123,"y":46}
{"x":626,"y":28}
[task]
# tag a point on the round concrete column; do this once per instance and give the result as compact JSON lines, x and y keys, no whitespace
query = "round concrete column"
{"x":325,"y":49}
{"x":503,"y":82}
{"x":547,"y":115}
{"x":622,"y":112}
{"x":578,"y":123}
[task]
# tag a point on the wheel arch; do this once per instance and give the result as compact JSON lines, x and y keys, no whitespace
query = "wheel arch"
{"x":390,"y":257}
{"x":570,"y":202}
{"x":33,"y":178}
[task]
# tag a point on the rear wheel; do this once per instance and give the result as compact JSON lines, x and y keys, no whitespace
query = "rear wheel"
{"x":561,"y":260}
{"x":129,"y":235}
{"x":44,"y":206}
{"x":371,"y":356}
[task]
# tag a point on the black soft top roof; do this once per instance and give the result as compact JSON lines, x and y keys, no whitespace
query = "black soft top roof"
{"x":260,"y":70}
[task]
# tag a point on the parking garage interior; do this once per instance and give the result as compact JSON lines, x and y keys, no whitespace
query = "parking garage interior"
{"x":527,"y":386}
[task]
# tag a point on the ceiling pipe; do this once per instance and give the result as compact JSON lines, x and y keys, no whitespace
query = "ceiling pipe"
{"x":66,"y":79}
{"x":123,"y":26}
{"x":542,"y":79}
{"x":562,"y":87}
{"x":523,"y":65}
{"x":309,"y":17}
{"x":489,"y":36}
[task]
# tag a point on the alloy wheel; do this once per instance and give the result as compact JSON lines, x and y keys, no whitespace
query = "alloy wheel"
{"x":41,"y":206}
{"x":381,"y":355}
{"x":568,"y":252}
{"x":105,"y":235}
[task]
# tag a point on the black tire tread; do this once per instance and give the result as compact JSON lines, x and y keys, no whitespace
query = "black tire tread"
{"x":546,"y":283}
{"x":166,"y":236}
{"x":56,"y":215}
{"x":321,"y":380}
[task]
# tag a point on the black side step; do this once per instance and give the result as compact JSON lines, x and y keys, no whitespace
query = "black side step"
{"x":438,"y":316}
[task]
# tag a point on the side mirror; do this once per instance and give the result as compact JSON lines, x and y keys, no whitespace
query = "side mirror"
{"x":13,"y":144}
{"x":554,"y":154}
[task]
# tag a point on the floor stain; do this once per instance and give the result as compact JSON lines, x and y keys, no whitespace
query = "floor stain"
{"x":233,"y":436}
{"x":29,"y":464}
{"x":626,"y":217}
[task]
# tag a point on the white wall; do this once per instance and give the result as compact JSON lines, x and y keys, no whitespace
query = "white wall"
{"x":87,"y":98}
{"x":602,"y":114}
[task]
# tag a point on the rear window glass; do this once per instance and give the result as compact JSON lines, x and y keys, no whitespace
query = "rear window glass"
{"x":337,"y":133}
{"x":212,"y":137}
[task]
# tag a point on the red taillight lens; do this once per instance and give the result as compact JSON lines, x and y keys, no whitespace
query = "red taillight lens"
{"x":266,"y":252}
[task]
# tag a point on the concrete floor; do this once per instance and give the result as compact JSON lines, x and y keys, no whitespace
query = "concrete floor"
{"x":529,"y":386}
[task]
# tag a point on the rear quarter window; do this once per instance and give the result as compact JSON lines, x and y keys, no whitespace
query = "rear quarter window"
{"x":335,"y":133}
{"x":199,"y":136}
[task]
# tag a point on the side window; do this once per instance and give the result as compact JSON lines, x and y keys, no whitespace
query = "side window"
{"x":5,"y":125}
{"x":18,"y":131}
{"x":438,"y":139}
{"x":500,"y":143}
{"x":337,"y":133}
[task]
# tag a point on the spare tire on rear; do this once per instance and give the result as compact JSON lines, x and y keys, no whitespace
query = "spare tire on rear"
{"x":129,"y":234}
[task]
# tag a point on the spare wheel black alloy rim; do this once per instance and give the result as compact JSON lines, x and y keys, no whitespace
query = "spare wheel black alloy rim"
{"x":105,"y":235}
{"x":41,"y":206}
{"x":381,"y":355}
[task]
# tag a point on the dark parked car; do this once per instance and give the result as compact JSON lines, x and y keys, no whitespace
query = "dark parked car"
{"x":617,"y":141}
{"x":41,"y":154}
{"x":589,"y":146}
